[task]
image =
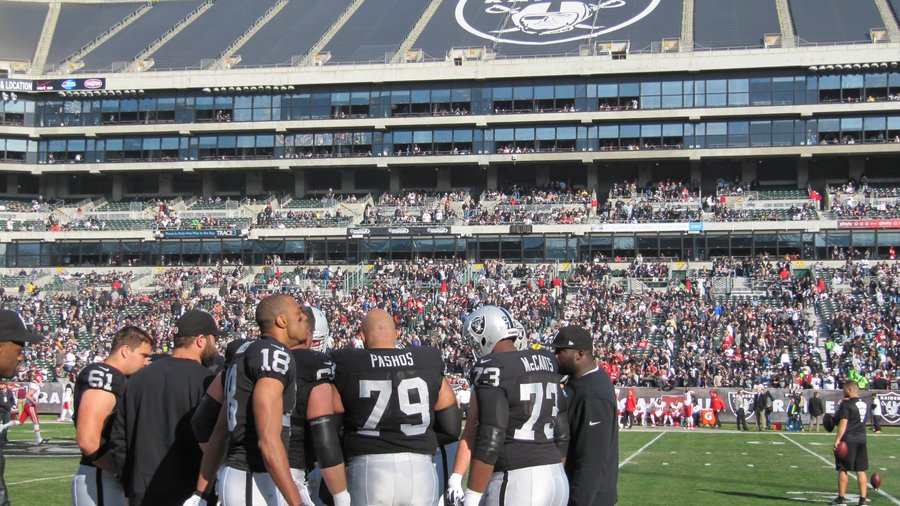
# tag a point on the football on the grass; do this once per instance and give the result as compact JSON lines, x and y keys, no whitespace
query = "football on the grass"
{"x":875,"y":480}
{"x":828,"y":422}
{"x":841,"y":450}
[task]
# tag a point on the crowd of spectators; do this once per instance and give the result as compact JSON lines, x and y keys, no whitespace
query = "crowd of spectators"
{"x":627,"y":212}
{"x":862,"y":210}
{"x":679,"y":335}
{"x":528,"y":214}
{"x":297,"y":218}
{"x":726,"y":212}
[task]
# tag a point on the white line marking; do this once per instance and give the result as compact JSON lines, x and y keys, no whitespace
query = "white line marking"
{"x":852,"y":475}
{"x":40,"y":479}
{"x":641,"y":450}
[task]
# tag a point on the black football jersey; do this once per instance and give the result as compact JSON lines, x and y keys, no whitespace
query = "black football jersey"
{"x":389,"y":397}
{"x":105,"y":377}
{"x":313,"y":369}
{"x":530,"y":382}
{"x":854,"y":410}
{"x":254,"y":360}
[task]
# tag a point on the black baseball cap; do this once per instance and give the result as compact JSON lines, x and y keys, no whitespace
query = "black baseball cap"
{"x":573,"y":337}
{"x":12,"y":328}
{"x":196,"y":322}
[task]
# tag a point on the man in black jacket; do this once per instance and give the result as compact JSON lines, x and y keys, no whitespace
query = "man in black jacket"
{"x":13,"y":337}
{"x":153,"y":442}
{"x":816,"y":410}
{"x":592,"y":461}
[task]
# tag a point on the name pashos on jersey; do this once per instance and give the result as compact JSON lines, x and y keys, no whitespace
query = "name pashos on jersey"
{"x":404,"y":360}
{"x":542,"y":22}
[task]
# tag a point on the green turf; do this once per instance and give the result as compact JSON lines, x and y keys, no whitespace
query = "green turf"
{"x":50,"y":429}
{"x":40,"y":481}
{"x":744,"y":468}
{"x":711,"y":467}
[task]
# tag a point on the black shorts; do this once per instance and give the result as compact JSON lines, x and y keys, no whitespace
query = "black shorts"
{"x":857,"y":459}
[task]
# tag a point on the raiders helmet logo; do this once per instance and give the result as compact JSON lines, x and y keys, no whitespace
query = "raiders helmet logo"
{"x":477,"y":325}
{"x":542,"y":22}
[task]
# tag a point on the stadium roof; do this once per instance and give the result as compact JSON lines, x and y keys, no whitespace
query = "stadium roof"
{"x":197,"y":34}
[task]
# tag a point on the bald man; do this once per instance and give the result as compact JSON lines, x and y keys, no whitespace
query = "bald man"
{"x":397,"y":408}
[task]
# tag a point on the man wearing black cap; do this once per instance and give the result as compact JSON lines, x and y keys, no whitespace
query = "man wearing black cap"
{"x":592,"y":461}
{"x":13,"y":337}
{"x":153,"y":442}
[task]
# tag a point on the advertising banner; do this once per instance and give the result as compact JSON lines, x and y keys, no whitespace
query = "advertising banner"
{"x":15,"y":85}
{"x":89,"y":83}
{"x":869,"y":224}
{"x":389,"y":231}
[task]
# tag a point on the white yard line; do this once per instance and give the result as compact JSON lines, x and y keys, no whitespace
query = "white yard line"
{"x":852,"y":475}
{"x":635,"y":454}
{"x":39,"y":479}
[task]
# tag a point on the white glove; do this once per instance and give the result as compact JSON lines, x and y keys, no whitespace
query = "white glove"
{"x":195,"y":500}
{"x":455,"y":494}
{"x":342,"y":499}
{"x":473,"y":498}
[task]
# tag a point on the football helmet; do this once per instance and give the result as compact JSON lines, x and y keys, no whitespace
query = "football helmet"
{"x":321,"y":339}
{"x":521,"y":342}
{"x":487,"y":326}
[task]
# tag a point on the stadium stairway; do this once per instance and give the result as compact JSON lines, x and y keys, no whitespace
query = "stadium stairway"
{"x":687,"y":26}
{"x":416,"y":31}
{"x":330,"y":33}
{"x":221,"y":61}
{"x":137,"y":62}
{"x":887,"y":14}
{"x":71,"y":63}
{"x":786,"y":20}
{"x":43,"y":46}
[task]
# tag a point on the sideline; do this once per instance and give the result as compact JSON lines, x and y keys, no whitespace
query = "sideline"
{"x":852,"y":475}
{"x":635,"y":454}
{"x":38,"y":479}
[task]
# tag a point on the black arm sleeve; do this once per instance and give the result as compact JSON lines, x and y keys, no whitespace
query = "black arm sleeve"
{"x":204,"y":420}
{"x":493,"y":417}
{"x":448,"y":424}
{"x":327,"y":446}
{"x":561,"y":432}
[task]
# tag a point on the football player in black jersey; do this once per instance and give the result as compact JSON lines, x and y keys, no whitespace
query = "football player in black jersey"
{"x":851,"y":429}
{"x":397,"y":408}
{"x":522,"y":429}
{"x":204,"y":424}
{"x":99,"y":389}
{"x":314,"y":426}
{"x":260,"y":393}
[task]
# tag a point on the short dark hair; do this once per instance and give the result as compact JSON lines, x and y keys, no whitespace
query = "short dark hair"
{"x":130,"y":336}
{"x":271,"y":308}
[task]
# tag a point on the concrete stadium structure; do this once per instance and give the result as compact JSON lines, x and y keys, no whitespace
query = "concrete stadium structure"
{"x":110,"y":105}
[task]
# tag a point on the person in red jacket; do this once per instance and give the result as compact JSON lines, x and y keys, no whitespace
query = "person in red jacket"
{"x":630,"y":405}
{"x":717,"y":406}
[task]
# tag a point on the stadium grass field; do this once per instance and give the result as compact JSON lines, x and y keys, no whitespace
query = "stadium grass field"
{"x":671,"y":467}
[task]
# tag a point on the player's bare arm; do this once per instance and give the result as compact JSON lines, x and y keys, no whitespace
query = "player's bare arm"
{"x":94,"y":410}
{"x":268,"y":410}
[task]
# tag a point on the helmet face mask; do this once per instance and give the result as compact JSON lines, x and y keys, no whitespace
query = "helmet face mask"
{"x":487,"y":326}
{"x":321,"y":338}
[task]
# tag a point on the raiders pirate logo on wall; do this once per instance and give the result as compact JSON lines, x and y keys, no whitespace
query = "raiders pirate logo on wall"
{"x":542,"y":22}
{"x":890,"y":406}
